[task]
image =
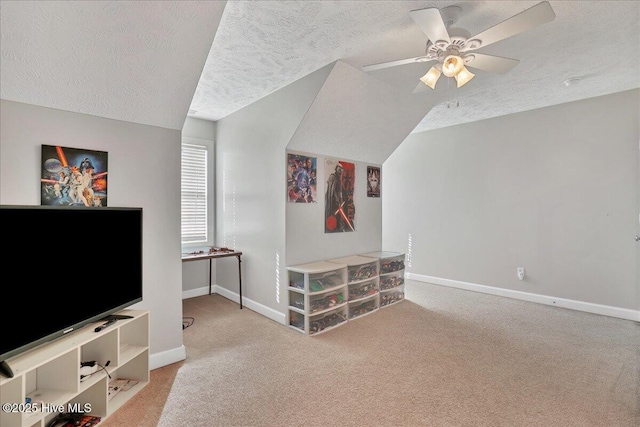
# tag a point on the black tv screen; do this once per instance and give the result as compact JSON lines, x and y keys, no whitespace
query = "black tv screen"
{"x":65,"y":267}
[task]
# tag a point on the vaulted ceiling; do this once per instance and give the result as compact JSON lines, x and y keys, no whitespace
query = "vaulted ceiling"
{"x":136,"y":61}
{"x":155,"y":62}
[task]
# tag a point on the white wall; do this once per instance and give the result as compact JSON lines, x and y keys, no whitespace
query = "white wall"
{"x":306,"y":240}
{"x":554,"y":190}
{"x":199,"y":129}
{"x":144,"y":171}
{"x":251,"y":175}
{"x":358,"y":116}
{"x":253,"y":215}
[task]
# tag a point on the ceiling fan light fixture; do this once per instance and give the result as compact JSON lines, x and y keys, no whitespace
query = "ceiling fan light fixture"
{"x":431,"y":78}
{"x":450,"y":46}
{"x":464,"y":76}
{"x":452,"y":65}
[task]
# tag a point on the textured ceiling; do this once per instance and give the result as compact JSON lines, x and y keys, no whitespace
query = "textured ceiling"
{"x":137,"y":61}
{"x":262,"y":46}
{"x":149,"y":61}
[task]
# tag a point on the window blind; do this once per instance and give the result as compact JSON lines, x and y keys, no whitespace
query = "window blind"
{"x":194,"y":202}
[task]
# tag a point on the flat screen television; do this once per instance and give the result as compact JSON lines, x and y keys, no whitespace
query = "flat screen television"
{"x":65,"y":267}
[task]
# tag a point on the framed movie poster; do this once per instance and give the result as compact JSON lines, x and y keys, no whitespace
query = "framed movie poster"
{"x":339,"y":210}
{"x":301,"y":179}
{"x":373,"y":181}
{"x":73,"y":176}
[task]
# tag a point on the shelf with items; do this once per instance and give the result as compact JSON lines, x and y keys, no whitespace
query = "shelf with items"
{"x":326,"y":321}
{"x":317,"y":277}
{"x":389,"y":261}
{"x":391,"y":276}
{"x":135,"y":375}
{"x":317,"y":297}
{"x":359,"y":268}
{"x":318,"y":323}
{"x":362,"y":290}
{"x":363,"y":307}
{"x":317,"y":302}
{"x":391,"y":280}
{"x":393,"y":296}
{"x":50,"y":378}
{"x":326,"y":294}
{"x":362,"y":279}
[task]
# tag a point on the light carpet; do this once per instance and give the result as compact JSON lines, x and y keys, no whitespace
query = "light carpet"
{"x":442,"y":357}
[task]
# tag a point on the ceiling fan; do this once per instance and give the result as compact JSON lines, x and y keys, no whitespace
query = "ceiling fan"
{"x":454,"y":48}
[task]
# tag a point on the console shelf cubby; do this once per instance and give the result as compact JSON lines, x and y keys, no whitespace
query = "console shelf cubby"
{"x":49,"y":377}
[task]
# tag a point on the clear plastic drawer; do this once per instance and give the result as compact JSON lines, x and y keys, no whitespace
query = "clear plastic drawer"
{"x":390,"y":281}
{"x":362,"y":271}
{"x":364,"y":307}
{"x":389,"y":265}
{"x":390,"y":297}
{"x":326,"y":321}
{"x":362,"y":290}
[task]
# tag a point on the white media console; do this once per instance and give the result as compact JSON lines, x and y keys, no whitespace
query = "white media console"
{"x":49,"y":379}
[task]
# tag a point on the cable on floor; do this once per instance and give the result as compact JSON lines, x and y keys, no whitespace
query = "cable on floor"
{"x":187,"y":321}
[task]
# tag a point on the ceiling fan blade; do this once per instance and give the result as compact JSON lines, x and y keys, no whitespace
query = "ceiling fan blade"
{"x":524,"y":21}
{"x":430,"y":22}
{"x":389,"y":64}
{"x":490,"y":63}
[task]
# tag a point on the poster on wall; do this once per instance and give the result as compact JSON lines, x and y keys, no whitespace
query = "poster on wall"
{"x":373,"y":181}
{"x":301,"y":179}
{"x":339,"y":210}
{"x":73,"y":177}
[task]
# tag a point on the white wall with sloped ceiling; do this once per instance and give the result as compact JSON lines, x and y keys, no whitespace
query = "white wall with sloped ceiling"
{"x":136,"y":61}
{"x":553,"y":190}
{"x":356,"y":116}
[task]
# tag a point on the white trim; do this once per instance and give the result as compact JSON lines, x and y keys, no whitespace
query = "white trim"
{"x":164,"y":358}
{"x":605,"y":310}
{"x":272,"y":314}
{"x":217,"y":289}
{"x":196,"y":292}
{"x":251,"y":305}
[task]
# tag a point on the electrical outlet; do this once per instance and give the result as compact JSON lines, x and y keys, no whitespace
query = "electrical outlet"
{"x":520,"y":273}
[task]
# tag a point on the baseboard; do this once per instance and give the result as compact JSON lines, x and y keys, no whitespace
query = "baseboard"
{"x":604,"y":310}
{"x":196,"y":292}
{"x":164,"y":358}
{"x":217,"y":289}
{"x":270,"y":313}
